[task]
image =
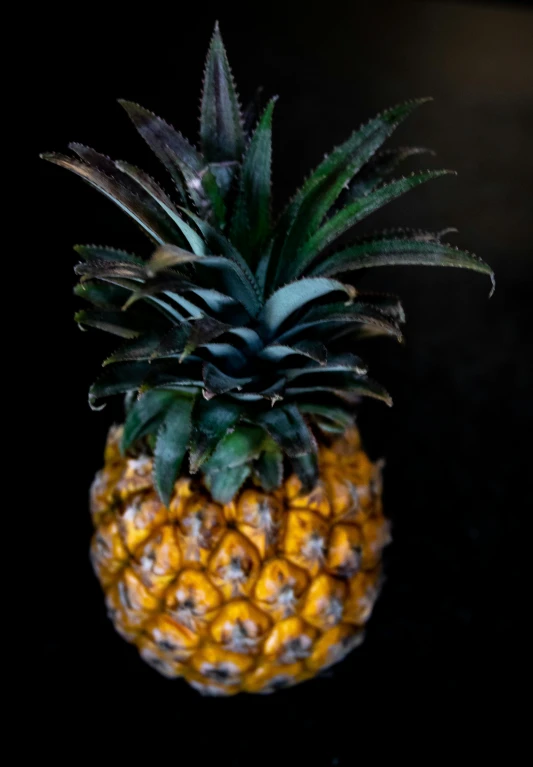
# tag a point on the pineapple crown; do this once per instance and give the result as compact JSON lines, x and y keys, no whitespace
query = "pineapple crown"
{"x":235,"y":326}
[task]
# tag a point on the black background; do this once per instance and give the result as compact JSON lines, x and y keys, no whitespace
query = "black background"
{"x":445,"y":632}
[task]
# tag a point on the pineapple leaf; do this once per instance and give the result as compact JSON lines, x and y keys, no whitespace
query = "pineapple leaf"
{"x":342,"y":221}
{"x":344,"y":363}
{"x":218,"y":382}
{"x":145,"y":415}
{"x":179,"y":157}
{"x":183,"y":339}
{"x":219,"y":244}
{"x":306,"y":468}
{"x":99,"y":253}
{"x":237,"y":280}
{"x":378,"y":169}
{"x":221,"y":129}
{"x":118,"y":379}
{"x":104,"y":296}
{"x":326,"y":319}
{"x":287,"y":427}
{"x":151,"y":187}
{"x":251,"y":339}
{"x":110,"y":320}
{"x":224,"y":485}
{"x":118,"y":188}
{"x":138,"y":349}
{"x":290,"y":298}
{"x":336,"y":414}
{"x":224,"y":352}
{"x":237,"y":448}
{"x":251,"y":221}
{"x":132,"y":178}
{"x":400,"y":252}
{"x":310,"y":206}
{"x":212,"y":421}
{"x":171,"y":445}
{"x":310,"y":350}
{"x":341,"y":383}
{"x":269,"y":467}
{"x":215,"y":207}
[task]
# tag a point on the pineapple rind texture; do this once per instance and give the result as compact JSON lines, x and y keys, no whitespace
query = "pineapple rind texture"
{"x":262,"y":593}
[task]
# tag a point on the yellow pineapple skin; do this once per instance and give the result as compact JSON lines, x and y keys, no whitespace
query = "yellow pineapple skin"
{"x":259,"y":594}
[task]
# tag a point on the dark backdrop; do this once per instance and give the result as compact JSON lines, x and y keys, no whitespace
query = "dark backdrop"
{"x":445,"y":631}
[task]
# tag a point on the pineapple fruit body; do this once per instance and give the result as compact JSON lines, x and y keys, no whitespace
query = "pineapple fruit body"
{"x":257,"y":594}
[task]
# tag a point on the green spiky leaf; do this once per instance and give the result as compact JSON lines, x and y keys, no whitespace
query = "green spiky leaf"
{"x":221,"y":128}
{"x":171,"y":445}
{"x":290,"y":298}
{"x":224,"y":485}
{"x":120,"y":189}
{"x":288,"y":429}
{"x":269,"y":467}
{"x":110,"y":320}
{"x":309,"y":207}
{"x":251,"y":222}
{"x":356,"y":211}
{"x":119,"y":379}
{"x":212,"y":421}
{"x":238,"y":448}
{"x":145,"y":415}
{"x":400,"y":252}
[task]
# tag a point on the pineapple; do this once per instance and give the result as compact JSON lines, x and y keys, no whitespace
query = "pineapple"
{"x":238,"y":521}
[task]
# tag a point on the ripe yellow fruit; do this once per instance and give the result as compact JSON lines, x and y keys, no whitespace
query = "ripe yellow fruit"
{"x":259,"y":594}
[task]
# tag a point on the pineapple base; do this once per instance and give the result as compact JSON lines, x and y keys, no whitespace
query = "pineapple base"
{"x":259,"y":594}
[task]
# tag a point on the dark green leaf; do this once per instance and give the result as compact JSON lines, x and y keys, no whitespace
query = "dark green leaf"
{"x":151,"y":187}
{"x":214,"y":207}
{"x":179,"y":157}
{"x":171,"y":445}
{"x":294,"y":296}
{"x":224,"y":485}
{"x":119,"y":379}
{"x":333,"y":413}
{"x":221,"y":128}
{"x":251,"y":222}
{"x":105,"y":268}
{"x":311,"y":350}
{"x":269,"y":468}
{"x":326,"y":319}
{"x":240,"y":283}
{"x":183,"y":339}
{"x":377,"y":170}
{"x":342,"y":221}
{"x":400,"y":252}
{"x":338,"y":383}
{"x":102,"y":295}
{"x":98,"y":253}
{"x":218,"y":382}
{"x":110,"y":320}
{"x":145,"y":415}
{"x":139,"y":349}
{"x":306,"y":468}
{"x":212,"y":421}
{"x":240,"y":447}
{"x":343,"y":363}
{"x":252,"y":342}
{"x":288,"y":428}
{"x":311,"y":204}
{"x":233,"y":359}
{"x":119,"y":188}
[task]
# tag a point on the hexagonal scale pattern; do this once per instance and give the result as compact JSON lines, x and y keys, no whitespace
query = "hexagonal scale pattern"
{"x":259,"y":594}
